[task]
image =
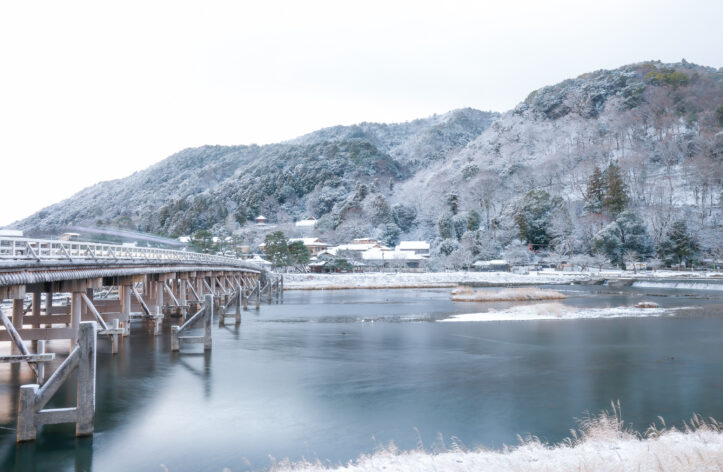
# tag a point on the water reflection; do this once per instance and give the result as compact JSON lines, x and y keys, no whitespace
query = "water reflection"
{"x":317,"y":378}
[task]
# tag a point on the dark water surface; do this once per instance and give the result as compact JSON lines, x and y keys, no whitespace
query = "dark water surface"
{"x":331,"y":375}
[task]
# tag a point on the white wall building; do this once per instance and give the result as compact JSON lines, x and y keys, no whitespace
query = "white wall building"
{"x":417,"y":247}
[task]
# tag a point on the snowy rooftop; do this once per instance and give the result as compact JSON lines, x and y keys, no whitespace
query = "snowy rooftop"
{"x":309,"y":241}
{"x":492,"y":262}
{"x":380,"y":254}
{"x":306,"y":222}
{"x":413,"y":245}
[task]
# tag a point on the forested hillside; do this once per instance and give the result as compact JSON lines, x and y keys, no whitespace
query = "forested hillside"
{"x":615,"y":165}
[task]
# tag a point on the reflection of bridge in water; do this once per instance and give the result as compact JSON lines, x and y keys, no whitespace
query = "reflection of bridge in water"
{"x":108,"y":288}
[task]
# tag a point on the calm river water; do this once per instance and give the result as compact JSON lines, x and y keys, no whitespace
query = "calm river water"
{"x":331,"y":375}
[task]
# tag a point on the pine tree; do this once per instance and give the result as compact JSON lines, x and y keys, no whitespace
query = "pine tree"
{"x":473,"y":220}
{"x":616,"y":195}
{"x":276,"y":249}
{"x":626,"y":234}
{"x":446,"y":227}
{"x":595,"y":193}
{"x":678,"y":244}
{"x":298,"y":253}
{"x":453,"y":202}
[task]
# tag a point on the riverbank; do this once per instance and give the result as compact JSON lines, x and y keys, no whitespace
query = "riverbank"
{"x":602,"y":444}
{"x":379,"y":280}
{"x":373,"y":280}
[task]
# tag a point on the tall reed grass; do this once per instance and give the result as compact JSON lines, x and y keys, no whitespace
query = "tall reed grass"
{"x":466,"y":294}
{"x":602,"y":443}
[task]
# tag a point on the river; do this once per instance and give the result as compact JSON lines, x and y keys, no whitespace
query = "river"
{"x":330,"y":375}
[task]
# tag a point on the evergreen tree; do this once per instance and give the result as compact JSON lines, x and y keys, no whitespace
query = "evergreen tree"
{"x":390,"y":234}
{"x":534,"y":217}
{"x":678,"y":244}
{"x":203,"y":241}
{"x":459,"y":222}
{"x":473,"y":220}
{"x":298,"y":253}
{"x":453,"y":202}
{"x":595,"y":192}
{"x":276,"y":249}
{"x":626,"y":234}
{"x":404,"y":216}
{"x":445,"y":227}
{"x":616,"y":195}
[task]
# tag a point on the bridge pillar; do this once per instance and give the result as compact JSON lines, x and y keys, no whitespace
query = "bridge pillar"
{"x":36,"y":315}
{"x":182,"y":299}
{"x":158,"y":321}
{"x":126,"y":308}
{"x":17,"y":321}
{"x":48,"y":306}
{"x":76,"y":311}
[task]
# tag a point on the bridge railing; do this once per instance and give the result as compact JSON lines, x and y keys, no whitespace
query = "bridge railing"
{"x":77,"y":251}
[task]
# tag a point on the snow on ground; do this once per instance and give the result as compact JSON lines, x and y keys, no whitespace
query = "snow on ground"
{"x":602,"y":446}
{"x":557,"y":311}
{"x":421,"y":280}
{"x":451,"y":279}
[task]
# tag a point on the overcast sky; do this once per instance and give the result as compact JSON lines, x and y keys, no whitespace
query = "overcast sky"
{"x":93,"y":91}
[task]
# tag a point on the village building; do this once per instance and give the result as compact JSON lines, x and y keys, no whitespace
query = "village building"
{"x":393,"y":259}
{"x":314,"y":245}
{"x":357,"y":248}
{"x":365,"y":241}
{"x":306,"y":223}
{"x":261,"y":220}
{"x":417,"y":247}
{"x":495,"y":265}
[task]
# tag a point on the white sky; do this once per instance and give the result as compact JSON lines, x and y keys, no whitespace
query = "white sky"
{"x":93,"y":91}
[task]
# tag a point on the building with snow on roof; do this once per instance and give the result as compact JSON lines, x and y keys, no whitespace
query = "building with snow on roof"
{"x":417,"y":247}
{"x":393,"y":259}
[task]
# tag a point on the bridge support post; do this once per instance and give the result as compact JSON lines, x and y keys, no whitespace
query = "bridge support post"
{"x":258,"y":294}
{"x":126,"y":308}
{"x":33,"y":397}
{"x":36,"y":315}
{"x":182,"y":299}
{"x":244,"y":298}
{"x":239,"y":295}
{"x":158,"y":319}
{"x":17,"y":321}
{"x":76,"y":310}
{"x":208,"y":324}
{"x":48,"y":307}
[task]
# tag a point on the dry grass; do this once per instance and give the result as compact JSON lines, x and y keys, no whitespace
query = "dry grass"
{"x":602,"y":443}
{"x":466,"y":294}
{"x":357,"y":286}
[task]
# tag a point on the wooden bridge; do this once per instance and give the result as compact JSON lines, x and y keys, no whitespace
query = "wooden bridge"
{"x":84,"y":291}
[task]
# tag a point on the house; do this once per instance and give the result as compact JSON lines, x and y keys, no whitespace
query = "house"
{"x":417,"y":247}
{"x":495,"y":265}
{"x":387,"y":258}
{"x":306,"y":223}
{"x":365,"y":241}
{"x":69,"y":237}
{"x":261,"y":220}
{"x":356,"y":249}
{"x":258,"y":260}
{"x":314,"y":245}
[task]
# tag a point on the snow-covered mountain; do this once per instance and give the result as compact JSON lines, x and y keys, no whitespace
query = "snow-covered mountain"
{"x":660,"y":123}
